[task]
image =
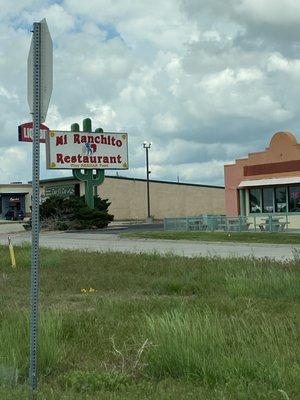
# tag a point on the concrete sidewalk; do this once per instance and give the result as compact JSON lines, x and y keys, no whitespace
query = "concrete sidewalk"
{"x":108,"y":242}
{"x":11,"y":227}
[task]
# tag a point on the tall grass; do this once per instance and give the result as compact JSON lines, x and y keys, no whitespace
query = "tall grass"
{"x":219,"y":328}
{"x":208,"y":346}
{"x":14,"y":343}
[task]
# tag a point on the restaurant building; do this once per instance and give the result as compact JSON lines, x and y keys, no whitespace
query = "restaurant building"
{"x":267,"y":182}
{"x":128,"y":196}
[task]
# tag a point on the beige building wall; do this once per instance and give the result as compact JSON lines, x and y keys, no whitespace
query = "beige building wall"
{"x":128,"y":198}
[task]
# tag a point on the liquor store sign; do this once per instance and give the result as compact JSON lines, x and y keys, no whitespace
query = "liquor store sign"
{"x":84,"y":150}
{"x":25,"y":132}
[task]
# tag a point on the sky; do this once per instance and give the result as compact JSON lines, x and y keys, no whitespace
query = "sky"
{"x":206,"y":81}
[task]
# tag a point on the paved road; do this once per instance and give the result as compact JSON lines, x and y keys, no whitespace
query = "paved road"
{"x":117,"y":228}
{"x":105,"y":242}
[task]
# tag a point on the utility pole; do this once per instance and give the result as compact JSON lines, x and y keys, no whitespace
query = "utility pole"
{"x":147,"y":146}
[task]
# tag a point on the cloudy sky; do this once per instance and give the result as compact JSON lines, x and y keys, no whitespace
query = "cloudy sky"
{"x":207,"y":81}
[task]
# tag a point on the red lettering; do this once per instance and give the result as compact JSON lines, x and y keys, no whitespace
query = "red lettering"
{"x":76,"y":138}
{"x":59,"y":140}
{"x":119,"y":143}
{"x":73,"y":159}
{"x":119,"y":158}
{"x":60,"y":158}
{"x":67,"y":159}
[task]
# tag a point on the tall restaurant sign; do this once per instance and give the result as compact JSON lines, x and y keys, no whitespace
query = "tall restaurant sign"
{"x":85,"y":150}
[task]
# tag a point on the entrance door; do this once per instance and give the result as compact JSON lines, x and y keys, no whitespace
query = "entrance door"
{"x":14,"y":208}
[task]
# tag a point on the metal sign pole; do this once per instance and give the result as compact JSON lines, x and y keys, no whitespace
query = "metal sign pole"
{"x":148,"y":189}
{"x":35,"y":207}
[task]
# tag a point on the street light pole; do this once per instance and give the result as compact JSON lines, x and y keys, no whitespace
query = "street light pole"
{"x":147,"y":146}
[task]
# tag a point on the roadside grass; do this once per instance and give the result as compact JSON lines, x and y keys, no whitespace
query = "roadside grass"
{"x":152,"y":327}
{"x":241,"y":237}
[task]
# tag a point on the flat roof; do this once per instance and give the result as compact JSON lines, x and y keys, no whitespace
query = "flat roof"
{"x":71,"y":178}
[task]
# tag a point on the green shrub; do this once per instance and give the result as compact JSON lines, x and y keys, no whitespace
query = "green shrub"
{"x":60,"y":213}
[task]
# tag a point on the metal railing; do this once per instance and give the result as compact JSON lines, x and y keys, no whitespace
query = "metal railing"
{"x":211,"y":223}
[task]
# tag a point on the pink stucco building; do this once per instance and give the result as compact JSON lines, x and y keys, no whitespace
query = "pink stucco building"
{"x":266,"y":182}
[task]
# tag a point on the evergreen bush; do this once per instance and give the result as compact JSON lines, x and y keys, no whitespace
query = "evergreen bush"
{"x":60,"y":213}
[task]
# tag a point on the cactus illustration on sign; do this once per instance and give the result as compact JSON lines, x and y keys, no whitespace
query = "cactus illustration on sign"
{"x":90,"y":179}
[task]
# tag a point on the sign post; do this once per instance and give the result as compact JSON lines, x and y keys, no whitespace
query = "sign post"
{"x":39,"y":93}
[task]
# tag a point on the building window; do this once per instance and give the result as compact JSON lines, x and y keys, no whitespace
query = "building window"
{"x":280,"y":199}
{"x":275,"y":199}
{"x":255,"y":200}
{"x":268,"y":200}
{"x":294,"y":198}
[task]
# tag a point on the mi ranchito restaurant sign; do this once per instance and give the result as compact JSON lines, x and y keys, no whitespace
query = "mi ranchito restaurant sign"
{"x":86,"y":150}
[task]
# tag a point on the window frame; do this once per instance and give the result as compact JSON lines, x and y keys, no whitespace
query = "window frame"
{"x":272,"y":191}
{"x":260,"y":200}
{"x":288,"y":199}
{"x":287,"y":196}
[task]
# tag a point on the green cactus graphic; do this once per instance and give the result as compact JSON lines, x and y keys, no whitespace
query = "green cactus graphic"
{"x":87,"y":175}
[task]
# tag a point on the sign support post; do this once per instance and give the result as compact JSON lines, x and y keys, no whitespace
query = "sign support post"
{"x":40,"y":83}
{"x":35,"y":208}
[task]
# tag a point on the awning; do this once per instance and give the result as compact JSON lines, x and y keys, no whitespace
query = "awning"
{"x":270,"y":182}
{"x":13,"y":193}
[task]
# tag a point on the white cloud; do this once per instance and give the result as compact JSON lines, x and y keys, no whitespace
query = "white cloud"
{"x":205,"y":81}
{"x":279,"y":12}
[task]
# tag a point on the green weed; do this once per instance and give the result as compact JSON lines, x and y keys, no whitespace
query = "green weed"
{"x":213,"y":348}
{"x":14,"y":342}
{"x":93,"y":381}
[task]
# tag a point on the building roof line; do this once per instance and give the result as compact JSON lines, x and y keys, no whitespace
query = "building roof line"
{"x":71,"y":178}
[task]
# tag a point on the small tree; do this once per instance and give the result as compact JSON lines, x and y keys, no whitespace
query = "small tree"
{"x":73,"y":213}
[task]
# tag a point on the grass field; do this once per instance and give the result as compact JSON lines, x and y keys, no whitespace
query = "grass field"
{"x":123,"y":326}
{"x":242,"y":237}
